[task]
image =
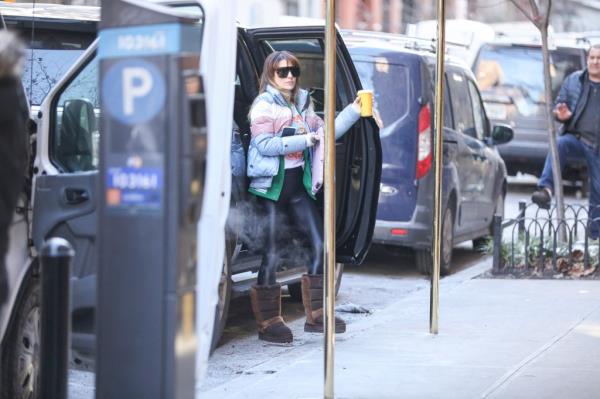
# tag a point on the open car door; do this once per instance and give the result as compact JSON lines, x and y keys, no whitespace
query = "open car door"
{"x":358,"y":152}
{"x":65,"y":183}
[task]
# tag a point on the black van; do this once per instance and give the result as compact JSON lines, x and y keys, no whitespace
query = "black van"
{"x":400,"y":70}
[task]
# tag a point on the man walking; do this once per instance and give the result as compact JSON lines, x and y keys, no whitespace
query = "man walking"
{"x":577,"y":107}
{"x":13,"y":140}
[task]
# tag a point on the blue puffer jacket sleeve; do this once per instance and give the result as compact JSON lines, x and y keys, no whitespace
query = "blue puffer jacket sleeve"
{"x":269,"y":145}
{"x":345,"y":120}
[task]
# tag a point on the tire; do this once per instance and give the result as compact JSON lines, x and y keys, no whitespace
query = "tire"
{"x":21,"y":356}
{"x":224,"y":291}
{"x":424,"y":258}
{"x":295,"y":289}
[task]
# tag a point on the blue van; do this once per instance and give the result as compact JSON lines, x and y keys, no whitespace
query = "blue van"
{"x":400,"y":70}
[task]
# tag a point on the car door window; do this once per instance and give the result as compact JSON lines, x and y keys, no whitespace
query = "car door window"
{"x":74,"y":136}
{"x":478,"y":113}
{"x":461,"y":104}
{"x":310,"y":52}
{"x":391,"y":95}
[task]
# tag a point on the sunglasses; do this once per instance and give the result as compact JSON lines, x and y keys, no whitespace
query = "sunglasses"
{"x":284,"y":72}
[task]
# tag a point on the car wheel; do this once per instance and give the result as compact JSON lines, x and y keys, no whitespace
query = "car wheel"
{"x":424,"y":258}
{"x":224,"y":292}
{"x":21,"y":357}
{"x":295,"y":289}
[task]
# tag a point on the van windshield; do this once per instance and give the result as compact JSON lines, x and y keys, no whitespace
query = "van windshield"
{"x":390,"y":84}
{"x":513,"y":76}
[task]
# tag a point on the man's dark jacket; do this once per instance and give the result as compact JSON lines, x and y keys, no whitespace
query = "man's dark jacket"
{"x":575,"y":92}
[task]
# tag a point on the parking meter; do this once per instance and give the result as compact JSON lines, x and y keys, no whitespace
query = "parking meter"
{"x":152,"y":159}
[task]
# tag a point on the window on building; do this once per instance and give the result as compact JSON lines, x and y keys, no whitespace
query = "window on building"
{"x":386,"y":16}
{"x":292,"y":8}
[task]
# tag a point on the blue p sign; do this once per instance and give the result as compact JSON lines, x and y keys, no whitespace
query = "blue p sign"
{"x":133,"y":91}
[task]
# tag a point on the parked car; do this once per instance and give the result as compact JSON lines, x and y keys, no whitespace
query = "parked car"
{"x":400,"y":70}
{"x":463,"y":36}
{"x":358,"y":170}
{"x":55,"y":36}
{"x":510,"y":74}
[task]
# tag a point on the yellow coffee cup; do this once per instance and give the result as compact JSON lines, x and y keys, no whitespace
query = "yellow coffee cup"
{"x":366,"y":102}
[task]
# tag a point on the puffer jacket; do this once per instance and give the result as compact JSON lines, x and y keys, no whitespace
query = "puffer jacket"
{"x":269,"y":114}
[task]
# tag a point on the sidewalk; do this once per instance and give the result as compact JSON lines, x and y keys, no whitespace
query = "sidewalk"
{"x":497,"y":339}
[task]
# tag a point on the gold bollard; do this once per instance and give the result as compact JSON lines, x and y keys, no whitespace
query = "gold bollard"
{"x":434,"y":303}
{"x":329,"y":180}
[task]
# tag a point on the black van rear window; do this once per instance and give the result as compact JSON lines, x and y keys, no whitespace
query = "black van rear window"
{"x":49,"y":55}
{"x":390,"y":84}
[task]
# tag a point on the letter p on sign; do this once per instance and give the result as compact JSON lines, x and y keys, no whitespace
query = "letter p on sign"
{"x":133,"y":91}
{"x":137,"y":83}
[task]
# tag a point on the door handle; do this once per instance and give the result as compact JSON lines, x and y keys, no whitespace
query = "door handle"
{"x":76,"y":196}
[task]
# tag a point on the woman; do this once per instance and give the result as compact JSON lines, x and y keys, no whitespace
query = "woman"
{"x":285,"y":165}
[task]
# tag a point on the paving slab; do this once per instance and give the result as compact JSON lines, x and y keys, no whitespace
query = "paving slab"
{"x":497,"y":338}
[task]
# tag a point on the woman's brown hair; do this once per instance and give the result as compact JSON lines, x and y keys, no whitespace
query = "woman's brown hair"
{"x":268,"y":72}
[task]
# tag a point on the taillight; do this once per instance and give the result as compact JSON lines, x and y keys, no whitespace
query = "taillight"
{"x":424,"y":147}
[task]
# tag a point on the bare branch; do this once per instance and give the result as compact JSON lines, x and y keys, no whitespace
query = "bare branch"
{"x":546,"y":15}
{"x":535,"y":10}
{"x":523,"y":10}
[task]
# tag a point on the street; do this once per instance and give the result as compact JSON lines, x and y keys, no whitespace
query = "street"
{"x":386,"y":276}
{"x":174,"y":206}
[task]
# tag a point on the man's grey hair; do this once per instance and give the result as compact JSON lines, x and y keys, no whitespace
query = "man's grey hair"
{"x":12,"y":53}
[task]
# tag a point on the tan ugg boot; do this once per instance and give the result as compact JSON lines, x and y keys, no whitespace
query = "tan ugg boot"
{"x":266,"y":305}
{"x":312,"y":298}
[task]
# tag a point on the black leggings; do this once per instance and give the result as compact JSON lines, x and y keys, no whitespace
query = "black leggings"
{"x":302,"y":211}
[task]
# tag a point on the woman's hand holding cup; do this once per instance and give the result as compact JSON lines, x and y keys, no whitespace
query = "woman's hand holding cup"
{"x":356,"y":104}
{"x":366,"y":102}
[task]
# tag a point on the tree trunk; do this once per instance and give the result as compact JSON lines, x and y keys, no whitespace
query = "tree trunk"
{"x":541,"y":21}
{"x":556,"y":172}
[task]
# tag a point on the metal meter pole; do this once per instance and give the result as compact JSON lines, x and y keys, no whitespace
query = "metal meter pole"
{"x":329,"y":180}
{"x":438,"y":153}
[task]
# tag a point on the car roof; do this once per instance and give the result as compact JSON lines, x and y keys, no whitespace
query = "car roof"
{"x":402,"y":44}
{"x":44,"y":11}
{"x":57,"y":12}
{"x":555,"y":41}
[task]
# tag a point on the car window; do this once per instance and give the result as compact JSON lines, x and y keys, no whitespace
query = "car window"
{"x":311,"y":55}
{"x":74,"y":137}
{"x":448,"y":117}
{"x":390,"y":84}
{"x":48,"y":57}
{"x":478,"y":113}
{"x":461,"y":104}
{"x":513,"y":75}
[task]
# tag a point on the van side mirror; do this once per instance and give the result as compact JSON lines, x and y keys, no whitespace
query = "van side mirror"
{"x":502,"y":134}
